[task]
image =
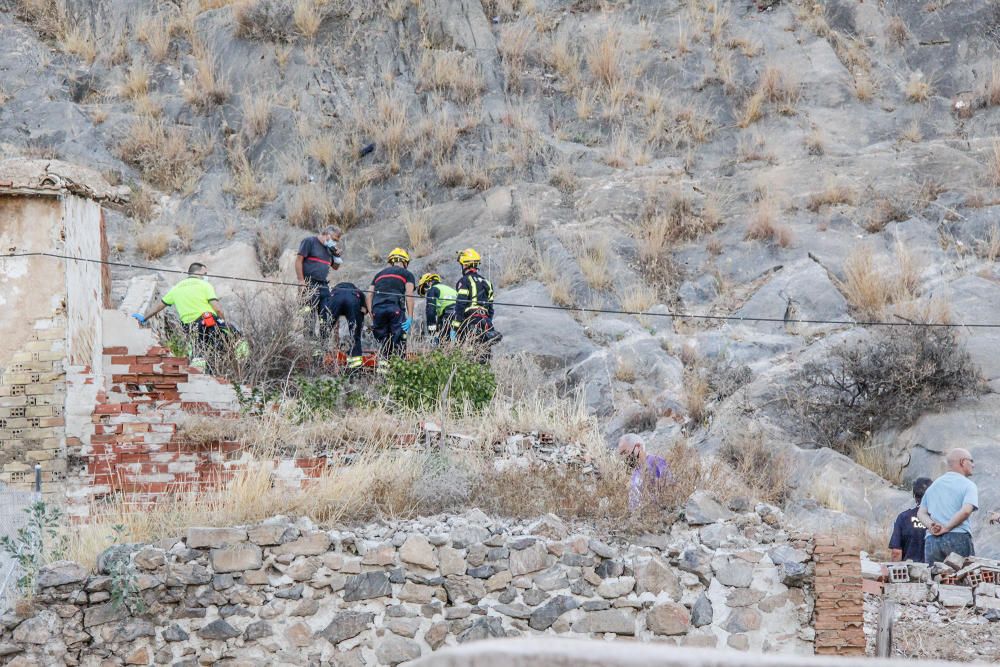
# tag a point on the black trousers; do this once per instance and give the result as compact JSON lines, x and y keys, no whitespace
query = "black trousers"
{"x":478,"y":330}
{"x":319,"y":301}
{"x":345,"y":303}
{"x":387,"y":327}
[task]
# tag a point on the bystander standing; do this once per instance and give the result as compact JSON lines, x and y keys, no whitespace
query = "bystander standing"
{"x":907,"y":541}
{"x":946,"y":507}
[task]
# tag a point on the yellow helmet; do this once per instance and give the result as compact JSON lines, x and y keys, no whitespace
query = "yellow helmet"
{"x":398,"y":253}
{"x":424,"y":283}
{"x":469,"y":257}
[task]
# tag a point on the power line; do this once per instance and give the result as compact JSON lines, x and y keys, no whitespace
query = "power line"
{"x":580,"y":309}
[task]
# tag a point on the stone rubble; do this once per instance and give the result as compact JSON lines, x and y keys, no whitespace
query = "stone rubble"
{"x":383,"y":594}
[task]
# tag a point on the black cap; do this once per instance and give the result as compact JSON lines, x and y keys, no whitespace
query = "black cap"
{"x":920,"y":485}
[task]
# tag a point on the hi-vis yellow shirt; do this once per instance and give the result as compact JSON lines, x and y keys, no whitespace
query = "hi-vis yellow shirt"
{"x":191,"y":297}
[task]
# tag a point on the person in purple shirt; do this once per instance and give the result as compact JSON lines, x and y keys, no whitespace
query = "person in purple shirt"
{"x":648,"y":470}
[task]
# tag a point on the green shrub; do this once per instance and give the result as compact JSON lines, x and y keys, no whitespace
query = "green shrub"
{"x":420,"y":383}
{"x":317,"y":399}
{"x":36,"y":543}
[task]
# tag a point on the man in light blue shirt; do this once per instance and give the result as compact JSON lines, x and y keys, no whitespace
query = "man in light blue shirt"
{"x":946,"y":507}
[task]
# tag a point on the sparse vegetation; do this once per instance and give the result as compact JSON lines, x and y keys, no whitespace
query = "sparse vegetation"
{"x":764,"y":225}
{"x":451,"y":73}
{"x":884,"y":380}
{"x":164,"y":154}
{"x":206,"y":88}
{"x":918,"y":89}
{"x":251,"y":188}
{"x":269,"y":242}
{"x":593,"y":259}
{"x":153,"y":242}
{"x":766,"y":470}
{"x":418,"y":232}
{"x":833,"y":195}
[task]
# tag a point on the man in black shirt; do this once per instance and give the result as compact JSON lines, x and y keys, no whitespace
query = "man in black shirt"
{"x":907,"y":541}
{"x":347,"y":301}
{"x":317,"y":255}
{"x":390,"y":303}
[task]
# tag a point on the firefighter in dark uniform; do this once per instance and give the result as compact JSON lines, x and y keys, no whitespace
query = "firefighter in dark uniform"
{"x":390,"y":303}
{"x":316,"y":257}
{"x":347,"y":301}
{"x":474,"y":306}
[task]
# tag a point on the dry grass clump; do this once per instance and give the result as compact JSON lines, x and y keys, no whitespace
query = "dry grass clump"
{"x":669,"y":217}
{"x":451,"y":73}
{"x":884,"y":210}
{"x":767,"y":471}
{"x":564,"y":58}
{"x":605,"y":58}
{"x":141,"y":203}
{"x":310,"y":207}
{"x":47,"y":17}
{"x":764,"y":225}
{"x":869,"y":289}
{"x":164,"y":154}
{"x":80,"y":42}
{"x":814,"y":142}
{"x":775,"y":87}
{"x":154,"y":32}
{"x":917,"y":89}
{"x":864,"y":87}
{"x":136,"y":82}
{"x":206,"y":88}
{"x":593,"y":260}
{"x":896,"y":33}
{"x":251,"y":188}
{"x":834,"y":195}
{"x":912,"y":133}
{"x":562,"y":176}
{"x":878,"y":459}
{"x":307,"y":17}
{"x":517,"y":42}
{"x":390,"y":129}
{"x":516,"y":266}
{"x":992,"y":174}
{"x":264,"y":20}
{"x":696,"y":396}
{"x":552,"y":274}
{"x":153,"y":242}
{"x":418,"y":232}
{"x":637,"y":297}
{"x":269,"y":242}
{"x":184,"y":231}
{"x":989,"y":248}
{"x":257,"y":107}
{"x":991,"y":92}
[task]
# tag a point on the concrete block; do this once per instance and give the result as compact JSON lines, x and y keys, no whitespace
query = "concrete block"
{"x":954,"y":596}
{"x":911,"y":593}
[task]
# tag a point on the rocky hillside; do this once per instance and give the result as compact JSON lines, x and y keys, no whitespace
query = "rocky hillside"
{"x":829,"y":161}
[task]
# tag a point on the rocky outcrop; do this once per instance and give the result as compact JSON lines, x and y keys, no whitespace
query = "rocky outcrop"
{"x":289,"y":592}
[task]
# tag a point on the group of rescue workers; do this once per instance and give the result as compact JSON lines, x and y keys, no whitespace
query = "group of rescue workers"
{"x":463,"y":313}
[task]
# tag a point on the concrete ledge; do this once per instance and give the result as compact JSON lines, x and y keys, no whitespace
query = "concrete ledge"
{"x":545,"y":652}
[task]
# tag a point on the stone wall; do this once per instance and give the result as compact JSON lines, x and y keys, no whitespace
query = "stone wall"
{"x":285,"y":592}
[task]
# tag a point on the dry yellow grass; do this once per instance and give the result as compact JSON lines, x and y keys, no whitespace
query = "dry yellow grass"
{"x":136,"y":82}
{"x":869,"y":289}
{"x":80,"y":42}
{"x":625,"y":369}
{"x":992,"y":175}
{"x":605,"y":57}
{"x":991,"y":92}
{"x":418,"y":231}
{"x":257,"y":106}
{"x":251,"y":187}
{"x":989,"y":248}
{"x":206,"y":88}
{"x":764,"y":225}
{"x":451,"y":73}
{"x":185,"y":235}
{"x":307,"y":17}
{"x":550,"y":272}
{"x":310,"y":207}
{"x":269,"y":242}
{"x":864,"y":88}
{"x":564,"y":59}
{"x":47,"y":17}
{"x":815,"y":143}
{"x":593,"y":261}
{"x":153,"y":242}
{"x":584,"y":103}
{"x":834,"y":195}
{"x":753,"y":110}
{"x":517,"y":41}
{"x":912,"y":132}
{"x":619,"y":152}
{"x":164,"y":154}
{"x":896,"y":33}
{"x":696,"y":396}
{"x":918,"y":89}
{"x":637,"y":297}
{"x":153,"y":31}
{"x":390,"y":129}
{"x":878,"y":459}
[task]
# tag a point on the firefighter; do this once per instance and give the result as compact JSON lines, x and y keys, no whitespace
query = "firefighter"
{"x":474,"y":306}
{"x":440,"y":309}
{"x":390,"y":302}
{"x":317,"y":256}
{"x":347,"y":301}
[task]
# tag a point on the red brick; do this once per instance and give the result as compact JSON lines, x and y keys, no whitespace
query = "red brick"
{"x":108,"y":409}
{"x":120,"y":349}
{"x":123,"y":360}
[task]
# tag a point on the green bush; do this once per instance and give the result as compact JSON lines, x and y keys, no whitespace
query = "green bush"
{"x":36,"y":543}
{"x":420,"y":383}
{"x":317,"y":398}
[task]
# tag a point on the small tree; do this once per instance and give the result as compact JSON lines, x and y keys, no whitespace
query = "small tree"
{"x":886,"y":380}
{"x":36,"y":543}
{"x":420,"y":383}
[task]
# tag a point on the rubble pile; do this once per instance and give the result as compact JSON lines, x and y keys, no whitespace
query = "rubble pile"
{"x":288,"y":592}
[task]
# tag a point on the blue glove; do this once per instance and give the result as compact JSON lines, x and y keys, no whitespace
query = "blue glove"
{"x":406,"y":324}
{"x":453,"y":334}
{"x":139,"y":318}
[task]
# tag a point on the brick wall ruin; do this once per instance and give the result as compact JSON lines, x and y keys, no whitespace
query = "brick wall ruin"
{"x":839,"y":620}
